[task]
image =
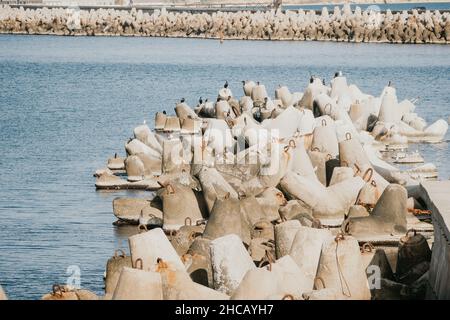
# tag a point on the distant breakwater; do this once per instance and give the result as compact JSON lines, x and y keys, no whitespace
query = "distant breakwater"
{"x":340,"y":25}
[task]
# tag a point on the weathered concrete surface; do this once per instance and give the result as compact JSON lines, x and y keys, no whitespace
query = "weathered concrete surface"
{"x":339,"y":25}
{"x":437,"y":197}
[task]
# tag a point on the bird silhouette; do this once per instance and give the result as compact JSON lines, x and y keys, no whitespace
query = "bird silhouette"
{"x":226,"y":84}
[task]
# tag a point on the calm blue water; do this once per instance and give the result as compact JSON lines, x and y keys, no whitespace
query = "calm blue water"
{"x":382,"y":6}
{"x":67,"y":103}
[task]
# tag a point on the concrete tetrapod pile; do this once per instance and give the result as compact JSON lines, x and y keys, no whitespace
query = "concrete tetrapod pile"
{"x":284,"y":197}
{"x":339,"y":25}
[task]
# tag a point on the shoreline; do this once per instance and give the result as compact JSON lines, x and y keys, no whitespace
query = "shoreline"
{"x":214,"y":38}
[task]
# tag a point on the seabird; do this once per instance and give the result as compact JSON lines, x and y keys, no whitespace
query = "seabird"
{"x":226,"y":84}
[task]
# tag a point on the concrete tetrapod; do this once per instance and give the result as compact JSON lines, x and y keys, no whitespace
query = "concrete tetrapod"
{"x":172,"y":124}
{"x":270,"y":201}
{"x":314,"y":89}
{"x":230,"y":262}
{"x":135,"y":168}
{"x":259,"y":93}
{"x":114,"y":268}
{"x":352,"y":154}
{"x":145,"y":135}
{"x":284,"y":236}
{"x":387,"y":218}
{"x":300,"y":161}
{"x":339,"y":197}
{"x":341,"y":174}
{"x":214,"y":185}
{"x":136,"y":146}
{"x":152,"y":165}
{"x":341,"y":268}
{"x":253,"y":213}
{"x":130,"y":210}
{"x":257,"y":284}
{"x":191,"y":126}
{"x":160,"y":120}
{"x":284,"y":95}
{"x":290,"y":278}
{"x":177,"y":285}
{"x":148,"y":247}
{"x":287,"y":123}
{"x":136,"y":284}
{"x":108,"y":181}
{"x":308,"y":243}
{"x":369,"y":193}
{"x":297,"y":210}
{"x":116,"y":163}
{"x":182,"y":239}
{"x":324,"y":137}
{"x":321,"y":161}
{"x":65,"y":292}
{"x":198,"y":258}
{"x":184,"y":112}
{"x":179,"y":204}
{"x":248,"y":87}
{"x":226,"y":218}
{"x":175,"y":158}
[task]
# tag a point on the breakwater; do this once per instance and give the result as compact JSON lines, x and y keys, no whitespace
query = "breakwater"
{"x":339,"y":25}
{"x":254,"y":190}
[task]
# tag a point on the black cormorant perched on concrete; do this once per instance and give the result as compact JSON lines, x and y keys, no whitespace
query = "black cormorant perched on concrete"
{"x":200,"y":100}
{"x":226,"y":84}
{"x":182,"y":100}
